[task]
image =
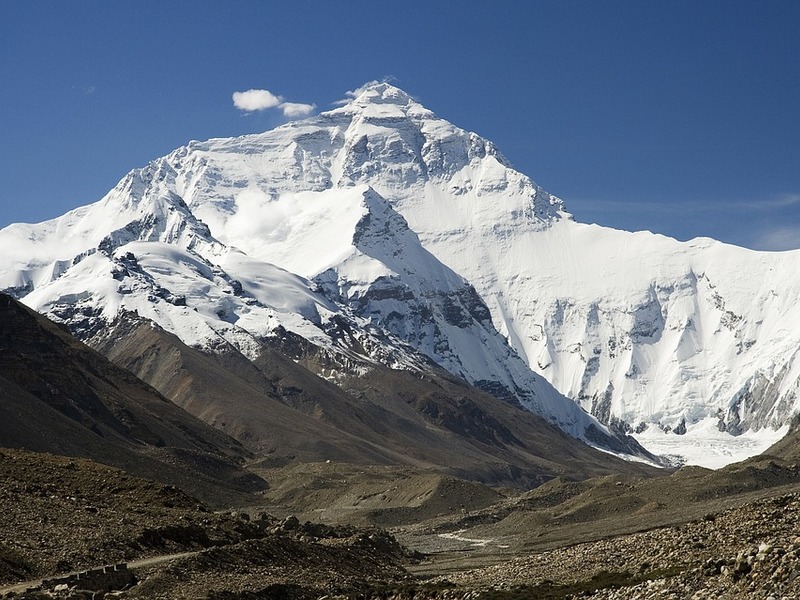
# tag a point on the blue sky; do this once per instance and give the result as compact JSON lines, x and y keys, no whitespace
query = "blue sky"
{"x":678,"y":117}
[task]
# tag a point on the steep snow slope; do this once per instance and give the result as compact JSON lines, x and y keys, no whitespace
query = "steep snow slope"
{"x":423,"y":237}
{"x":635,"y":327}
{"x":641,"y":330}
{"x":376,"y":294}
{"x":649,"y":329}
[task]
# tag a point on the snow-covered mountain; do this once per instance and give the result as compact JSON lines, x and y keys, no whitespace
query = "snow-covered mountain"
{"x":380,"y":232}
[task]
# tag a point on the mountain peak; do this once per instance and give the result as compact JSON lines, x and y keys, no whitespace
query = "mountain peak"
{"x":215,"y":241}
{"x":379,"y":92}
{"x":381,"y":100}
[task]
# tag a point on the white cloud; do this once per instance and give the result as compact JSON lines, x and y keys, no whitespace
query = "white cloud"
{"x":253,"y":100}
{"x":296,"y":109}
{"x":257,"y":100}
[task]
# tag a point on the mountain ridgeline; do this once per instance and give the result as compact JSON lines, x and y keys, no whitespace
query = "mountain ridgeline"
{"x":375,"y":243}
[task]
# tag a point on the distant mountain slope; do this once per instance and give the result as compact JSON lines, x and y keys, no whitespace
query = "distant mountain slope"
{"x":59,"y":396}
{"x":278,"y":407}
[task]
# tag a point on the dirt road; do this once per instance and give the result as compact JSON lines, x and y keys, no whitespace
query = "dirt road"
{"x":21,"y":587}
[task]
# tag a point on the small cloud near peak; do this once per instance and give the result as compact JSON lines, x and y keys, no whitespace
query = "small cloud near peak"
{"x":258,"y":100}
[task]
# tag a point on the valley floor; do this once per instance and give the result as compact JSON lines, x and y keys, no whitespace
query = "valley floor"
{"x":403,"y":534}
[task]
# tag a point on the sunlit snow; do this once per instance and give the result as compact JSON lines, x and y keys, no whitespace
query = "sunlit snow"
{"x":384,"y":213}
{"x":704,"y":445}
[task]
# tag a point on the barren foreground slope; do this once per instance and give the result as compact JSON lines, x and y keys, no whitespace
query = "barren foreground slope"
{"x":444,"y":538}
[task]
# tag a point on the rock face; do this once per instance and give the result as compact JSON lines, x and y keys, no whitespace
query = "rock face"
{"x":379,"y":231}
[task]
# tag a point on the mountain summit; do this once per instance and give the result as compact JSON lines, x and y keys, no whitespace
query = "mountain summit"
{"x":379,"y":234}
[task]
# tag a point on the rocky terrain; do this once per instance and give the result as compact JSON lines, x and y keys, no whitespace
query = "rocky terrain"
{"x":723,"y":534}
{"x":63,"y":515}
{"x":275,"y":525}
{"x":59,"y":396}
{"x":752,"y":551}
